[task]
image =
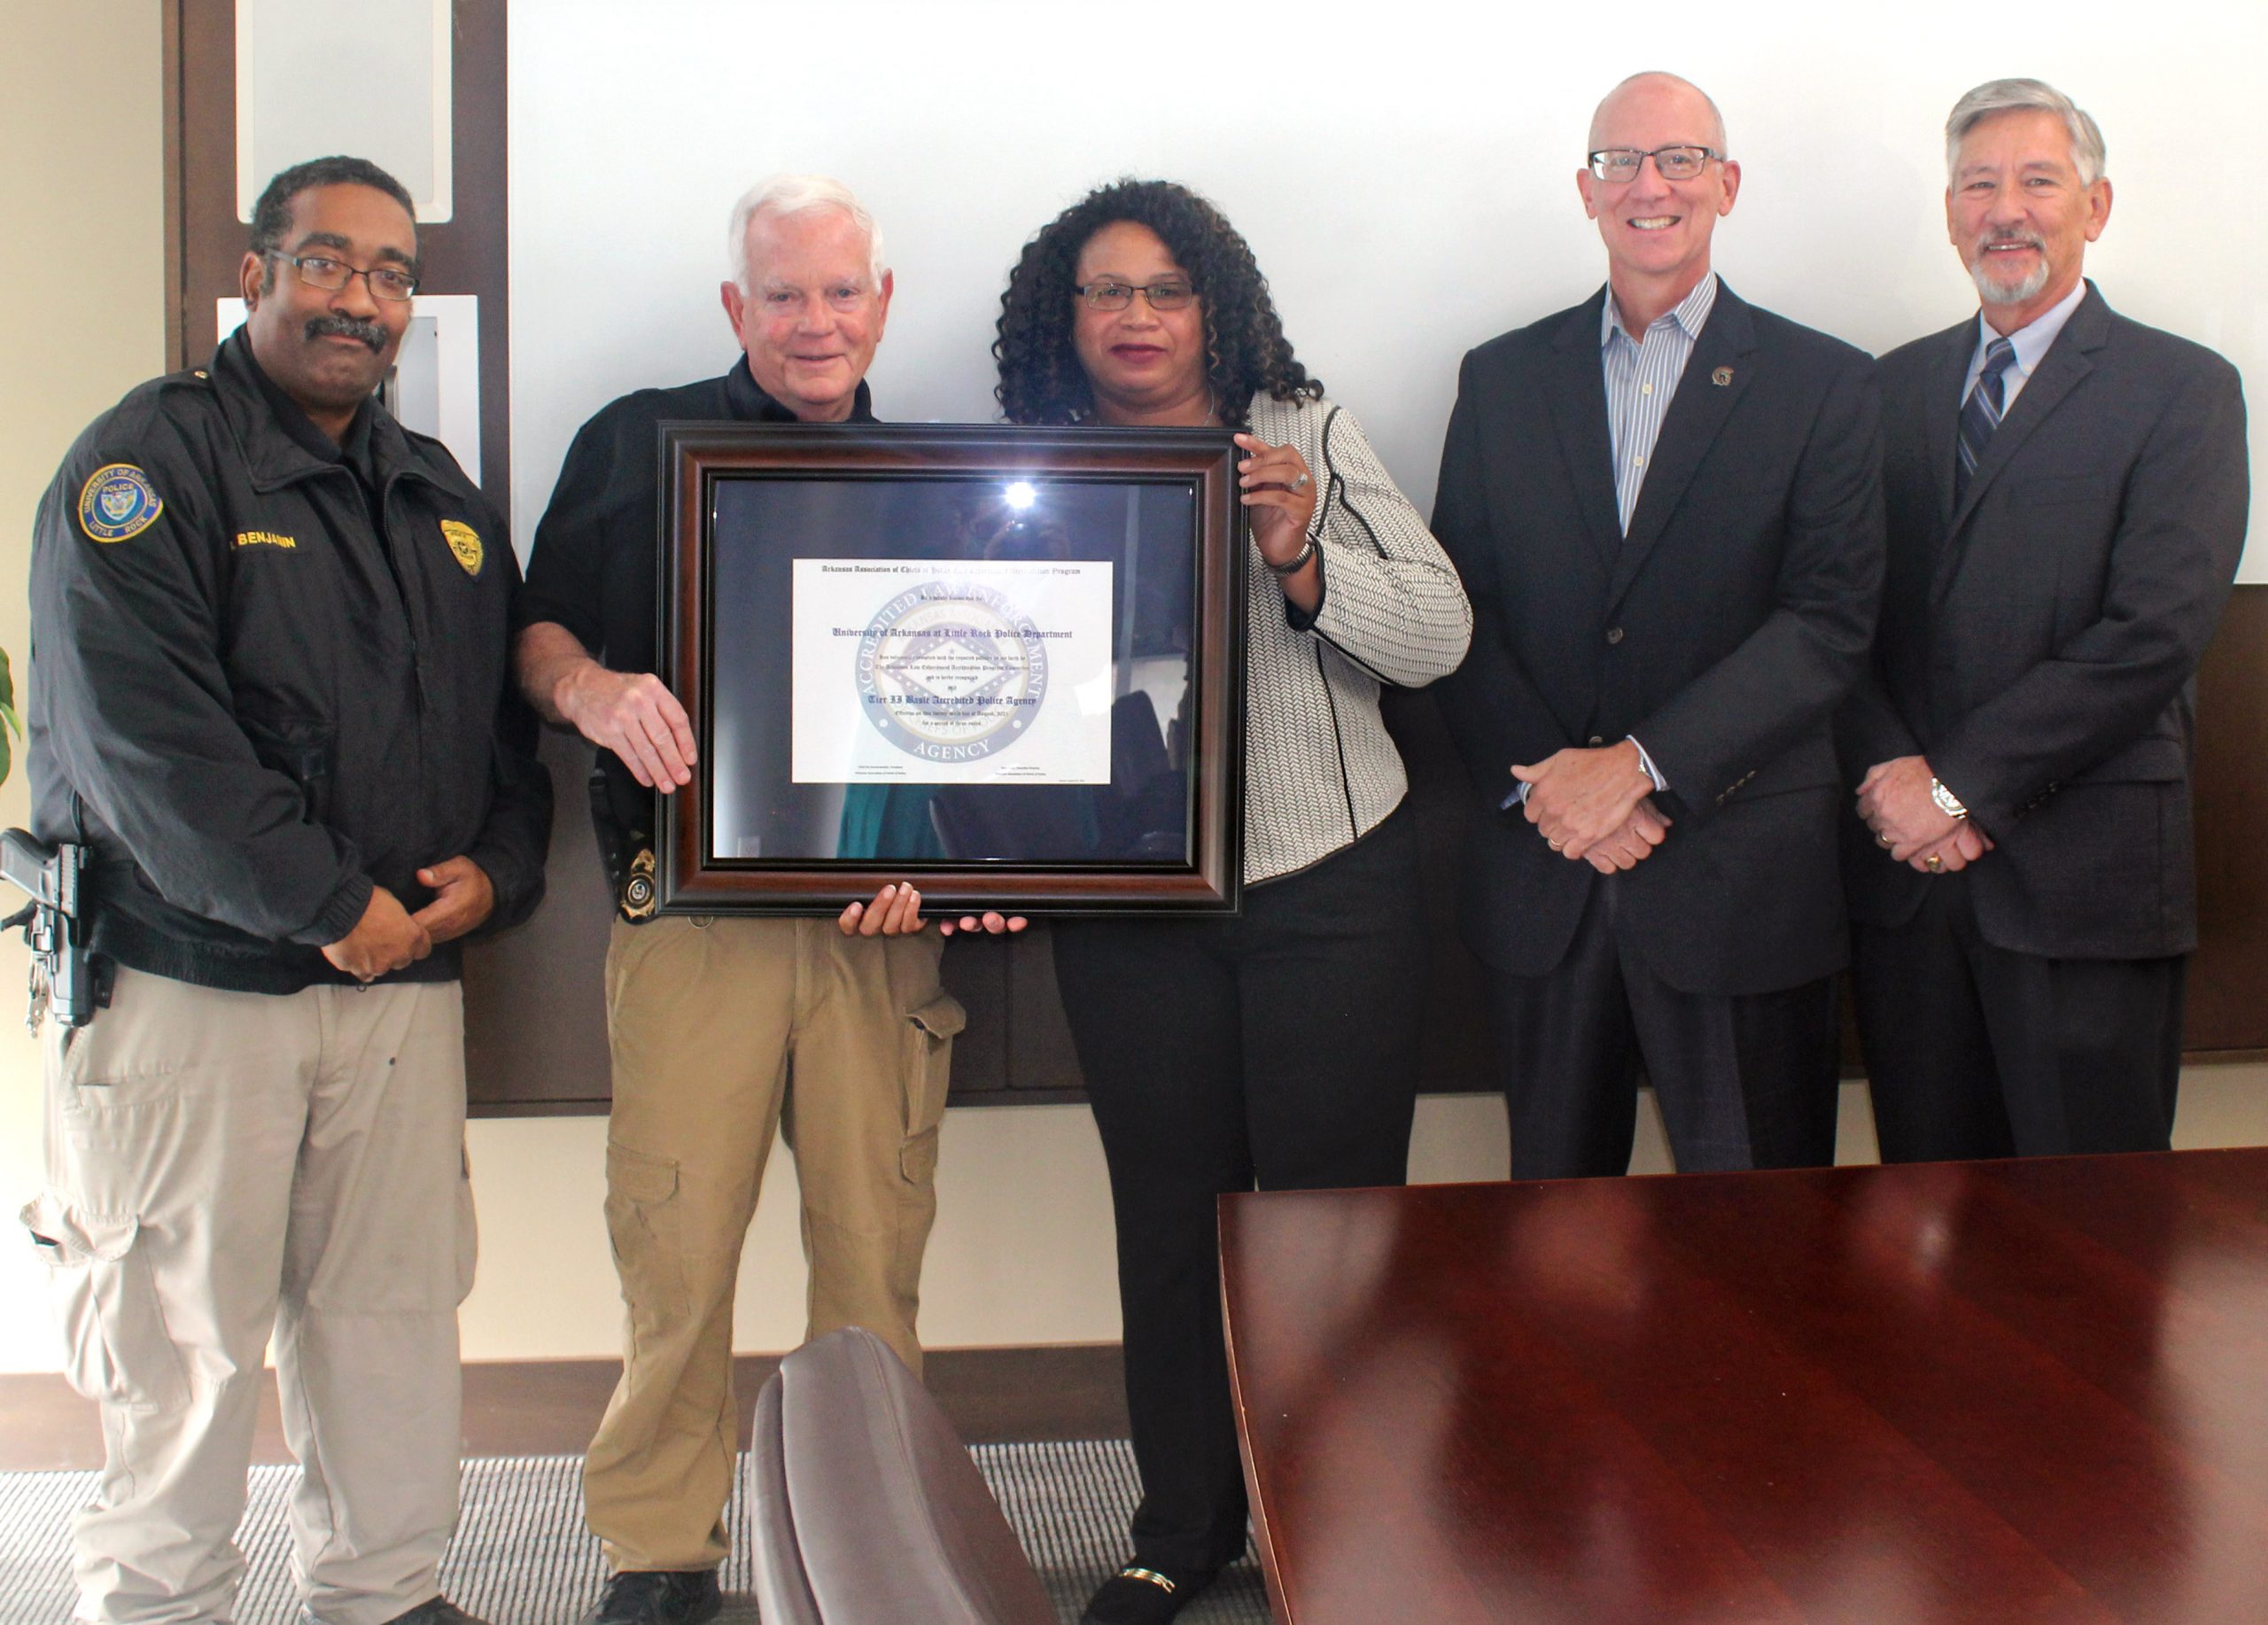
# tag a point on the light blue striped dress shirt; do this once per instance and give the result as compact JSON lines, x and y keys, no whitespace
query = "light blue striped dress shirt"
{"x":1641,"y":378}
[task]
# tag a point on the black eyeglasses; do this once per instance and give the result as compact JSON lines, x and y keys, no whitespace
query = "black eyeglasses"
{"x":386,"y":282}
{"x":1118,"y":296}
{"x":1621,"y":164}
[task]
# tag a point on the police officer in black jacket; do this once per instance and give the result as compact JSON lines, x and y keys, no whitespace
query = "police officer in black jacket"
{"x":269,"y":692}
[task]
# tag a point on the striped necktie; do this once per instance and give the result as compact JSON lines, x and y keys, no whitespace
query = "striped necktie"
{"x":1980,"y":414}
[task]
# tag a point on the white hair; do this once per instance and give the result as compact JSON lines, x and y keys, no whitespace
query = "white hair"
{"x":798,"y":194}
{"x":2017,"y":95}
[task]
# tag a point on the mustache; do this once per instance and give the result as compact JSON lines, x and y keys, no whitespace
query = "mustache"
{"x":335,"y":326}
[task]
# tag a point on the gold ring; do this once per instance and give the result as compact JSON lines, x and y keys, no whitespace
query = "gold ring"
{"x":1937,"y":863}
{"x":1553,"y":845}
{"x":1883,"y":841}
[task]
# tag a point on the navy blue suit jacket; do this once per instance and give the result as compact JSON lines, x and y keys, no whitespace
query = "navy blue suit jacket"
{"x":2040,"y":638}
{"x":1721,"y":632}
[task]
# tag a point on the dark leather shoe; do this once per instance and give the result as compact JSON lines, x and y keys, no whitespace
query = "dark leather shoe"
{"x":658,"y":1596}
{"x":440,"y":1611}
{"x":1139,"y":1596}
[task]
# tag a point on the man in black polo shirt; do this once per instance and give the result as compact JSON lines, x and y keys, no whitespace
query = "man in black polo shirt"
{"x":704,"y":1016}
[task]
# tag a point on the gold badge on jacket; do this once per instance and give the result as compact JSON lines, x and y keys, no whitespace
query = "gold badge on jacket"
{"x":465,"y":541}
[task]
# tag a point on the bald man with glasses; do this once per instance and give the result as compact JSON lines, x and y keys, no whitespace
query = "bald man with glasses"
{"x":1666,"y":506}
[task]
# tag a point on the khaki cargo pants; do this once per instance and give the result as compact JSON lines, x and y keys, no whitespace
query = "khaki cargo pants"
{"x":225,"y":1165}
{"x":721,"y":1029}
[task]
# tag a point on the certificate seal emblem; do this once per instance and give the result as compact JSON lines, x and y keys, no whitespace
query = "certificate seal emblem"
{"x":951,"y":671}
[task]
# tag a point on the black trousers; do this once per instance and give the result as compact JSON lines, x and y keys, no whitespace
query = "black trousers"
{"x":1277,"y":1049}
{"x":1976,"y":1050}
{"x":1742,"y":1080}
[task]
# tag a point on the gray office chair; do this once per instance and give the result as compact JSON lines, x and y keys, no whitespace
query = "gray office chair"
{"x":868,"y":1511}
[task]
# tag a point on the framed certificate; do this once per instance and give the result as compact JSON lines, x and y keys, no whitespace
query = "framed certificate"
{"x":1005,"y":664}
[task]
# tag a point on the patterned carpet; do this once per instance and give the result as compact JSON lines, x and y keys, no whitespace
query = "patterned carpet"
{"x":522,"y":1556}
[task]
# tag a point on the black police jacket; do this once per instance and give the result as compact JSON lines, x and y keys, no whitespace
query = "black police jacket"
{"x":254,"y":701}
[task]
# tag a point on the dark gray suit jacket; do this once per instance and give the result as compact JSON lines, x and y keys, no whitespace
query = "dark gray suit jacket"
{"x":1723,"y":633}
{"x":2040,"y":641}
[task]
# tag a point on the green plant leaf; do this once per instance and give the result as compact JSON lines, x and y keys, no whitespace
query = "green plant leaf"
{"x":11,"y":726}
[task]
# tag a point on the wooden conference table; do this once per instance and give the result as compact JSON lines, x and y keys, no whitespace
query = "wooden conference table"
{"x":1999,"y":1391}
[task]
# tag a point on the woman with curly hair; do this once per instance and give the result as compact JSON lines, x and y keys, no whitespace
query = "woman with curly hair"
{"x":1276,"y":1048}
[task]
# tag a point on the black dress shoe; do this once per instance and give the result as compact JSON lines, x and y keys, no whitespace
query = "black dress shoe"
{"x":658,"y":1596}
{"x":1139,"y":1596}
{"x":440,"y":1611}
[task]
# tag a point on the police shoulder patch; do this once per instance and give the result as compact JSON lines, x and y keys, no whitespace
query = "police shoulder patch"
{"x":465,"y":541}
{"x":117,"y":502}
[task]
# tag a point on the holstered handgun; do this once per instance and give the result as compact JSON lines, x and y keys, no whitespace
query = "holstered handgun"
{"x":67,"y":977}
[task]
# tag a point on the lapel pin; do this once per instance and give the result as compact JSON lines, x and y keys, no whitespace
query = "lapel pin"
{"x":1721,"y":376}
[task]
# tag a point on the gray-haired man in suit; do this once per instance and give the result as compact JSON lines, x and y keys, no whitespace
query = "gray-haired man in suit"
{"x":2067,"y":493}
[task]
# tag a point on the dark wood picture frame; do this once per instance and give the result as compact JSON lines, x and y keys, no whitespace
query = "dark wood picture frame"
{"x":698,"y":459}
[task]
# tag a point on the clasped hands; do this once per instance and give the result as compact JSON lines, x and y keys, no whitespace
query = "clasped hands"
{"x":1595,"y":803}
{"x":1894,"y":800}
{"x":389,"y":937}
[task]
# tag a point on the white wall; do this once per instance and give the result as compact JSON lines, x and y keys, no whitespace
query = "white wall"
{"x":1404,"y":174}
{"x":1022,"y":1253}
{"x":1404,"y":171}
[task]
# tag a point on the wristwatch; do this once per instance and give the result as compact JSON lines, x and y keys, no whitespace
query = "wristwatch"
{"x":1948,"y":802}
